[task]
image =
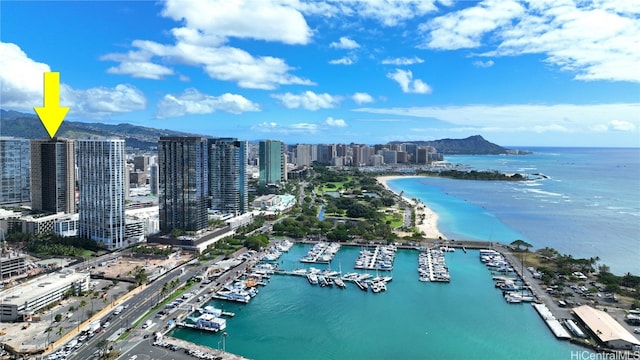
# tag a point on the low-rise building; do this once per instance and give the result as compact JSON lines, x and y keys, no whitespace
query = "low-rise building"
{"x":23,"y":300}
{"x":12,"y":265}
{"x":605,"y":328}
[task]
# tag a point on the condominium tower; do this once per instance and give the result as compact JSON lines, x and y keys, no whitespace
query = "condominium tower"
{"x":14,"y":170}
{"x":101,"y":168}
{"x":227,"y":175}
{"x":272,"y":162}
{"x":53,"y":175}
{"x":183,"y":183}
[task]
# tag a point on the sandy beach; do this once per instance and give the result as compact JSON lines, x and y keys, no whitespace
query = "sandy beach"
{"x":426,"y":219}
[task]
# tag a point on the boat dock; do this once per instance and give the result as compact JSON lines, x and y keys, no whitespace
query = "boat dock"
{"x":321,"y":253}
{"x":554,"y":324}
{"x":381,"y":258}
{"x":432,"y":266}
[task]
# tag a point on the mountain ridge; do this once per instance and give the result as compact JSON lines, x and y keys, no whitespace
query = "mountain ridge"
{"x":472,"y":145}
{"x":25,"y":125}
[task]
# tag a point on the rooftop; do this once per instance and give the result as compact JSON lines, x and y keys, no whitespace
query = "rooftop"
{"x":605,"y":327}
{"x":36,"y":288}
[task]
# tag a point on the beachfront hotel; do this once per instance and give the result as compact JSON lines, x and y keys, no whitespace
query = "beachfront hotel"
{"x":53,"y":175}
{"x":101,"y":182}
{"x":183,"y":183}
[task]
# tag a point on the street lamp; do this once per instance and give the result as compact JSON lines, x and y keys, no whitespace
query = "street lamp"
{"x":224,"y":335}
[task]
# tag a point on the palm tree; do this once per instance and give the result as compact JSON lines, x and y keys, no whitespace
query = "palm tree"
{"x":60,"y":331}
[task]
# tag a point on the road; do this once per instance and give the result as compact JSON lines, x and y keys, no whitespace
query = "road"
{"x":145,"y":300}
{"x":139,"y":305}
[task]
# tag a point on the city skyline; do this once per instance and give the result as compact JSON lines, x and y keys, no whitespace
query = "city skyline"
{"x":517,"y":73}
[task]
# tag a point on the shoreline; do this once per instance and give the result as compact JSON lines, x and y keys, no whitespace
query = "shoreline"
{"x":426,"y":219}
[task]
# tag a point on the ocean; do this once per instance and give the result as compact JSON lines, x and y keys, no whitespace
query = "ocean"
{"x":465,"y":319}
{"x":588,"y":206}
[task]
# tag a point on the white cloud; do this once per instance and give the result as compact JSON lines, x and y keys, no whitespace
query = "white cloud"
{"x":335,"y":122}
{"x":141,"y":69}
{"x":308,"y":100}
{"x":273,"y":127}
{"x":596,"y":40}
{"x":191,"y":101}
{"x":21,"y":78}
{"x":409,"y":85}
{"x":403,"y":61}
{"x":619,"y":125}
{"x":347,"y":60}
{"x":22,"y":83}
{"x":208,"y":25}
{"x":465,"y":28}
{"x":568,"y":118}
{"x":261,"y":20}
{"x":391,"y":12}
{"x":345,"y":43}
{"x":224,"y":63}
{"x":362,"y":98}
{"x":102,"y":101}
{"x":483,"y":64}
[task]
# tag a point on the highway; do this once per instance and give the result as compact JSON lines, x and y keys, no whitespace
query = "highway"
{"x":139,"y":305}
{"x":145,"y":300}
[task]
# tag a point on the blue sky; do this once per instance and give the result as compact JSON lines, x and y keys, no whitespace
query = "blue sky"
{"x":518,"y":73}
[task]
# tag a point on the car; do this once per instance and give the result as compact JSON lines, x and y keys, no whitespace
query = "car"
{"x":636,"y":330}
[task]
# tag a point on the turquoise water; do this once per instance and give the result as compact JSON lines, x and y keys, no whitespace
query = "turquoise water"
{"x":588,"y":206}
{"x":465,"y":319}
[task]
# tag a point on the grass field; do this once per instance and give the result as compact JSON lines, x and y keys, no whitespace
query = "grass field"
{"x":395,"y":218}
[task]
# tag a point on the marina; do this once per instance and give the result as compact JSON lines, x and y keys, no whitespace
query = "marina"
{"x":381,"y":258}
{"x":321,"y":253}
{"x":432,"y":266}
{"x":422,"y":331}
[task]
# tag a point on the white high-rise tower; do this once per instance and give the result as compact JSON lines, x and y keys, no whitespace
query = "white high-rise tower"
{"x":101,"y":177}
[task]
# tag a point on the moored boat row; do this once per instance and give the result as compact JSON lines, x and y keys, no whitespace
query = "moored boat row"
{"x":432,"y":266}
{"x":321,"y":252}
{"x":381,"y":258}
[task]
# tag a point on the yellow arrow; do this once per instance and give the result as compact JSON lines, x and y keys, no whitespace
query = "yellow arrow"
{"x":51,"y":114}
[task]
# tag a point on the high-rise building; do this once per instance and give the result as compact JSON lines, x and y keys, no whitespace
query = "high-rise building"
{"x":141,"y":163}
{"x":272,"y":162}
{"x":14,"y":172}
{"x":101,"y":183}
{"x":53,"y":175}
{"x":390,"y":156}
{"x":303,"y":155}
{"x":228,"y":175}
{"x":183,"y":183}
{"x":153,"y":179}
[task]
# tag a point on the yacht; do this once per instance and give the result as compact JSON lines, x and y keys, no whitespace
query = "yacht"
{"x":339,"y":283}
{"x":312,"y":278}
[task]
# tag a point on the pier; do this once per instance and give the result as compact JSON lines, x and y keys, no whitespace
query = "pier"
{"x":554,"y":324}
{"x":432,"y":266}
{"x":321,"y":253}
{"x":381,"y":258}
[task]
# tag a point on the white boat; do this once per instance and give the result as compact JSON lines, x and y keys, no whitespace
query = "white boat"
{"x":299,"y":272}
{"x":339,"y":283}
{"x":312,"y":278}
{"x":210,"y":310}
